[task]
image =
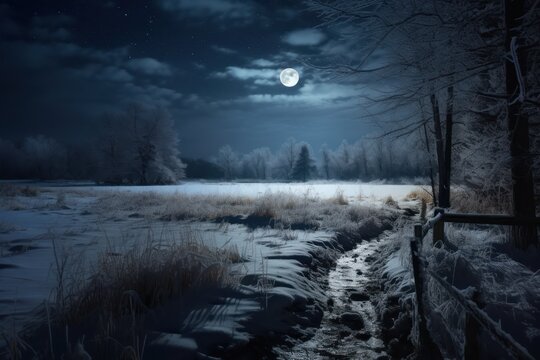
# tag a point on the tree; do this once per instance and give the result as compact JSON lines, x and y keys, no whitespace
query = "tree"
{"x":515,"y":67}
{"x":257,"y":163}
{"x":285,"y":159}
{"x":451,"y":52}
{"x":228,"y":160}
{"x":325,"y":161}
{"x":139,"y":146}
{"x":304,"y":165}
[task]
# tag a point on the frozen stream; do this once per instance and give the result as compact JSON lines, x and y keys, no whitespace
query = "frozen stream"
{"x":351,"y":290}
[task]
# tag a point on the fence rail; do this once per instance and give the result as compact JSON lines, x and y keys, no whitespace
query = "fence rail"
{"x":475,"y":317}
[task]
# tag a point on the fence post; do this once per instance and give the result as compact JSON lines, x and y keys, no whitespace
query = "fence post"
{"x":416,"y":244}
{"x":438,"y":227}
{"x":471,"y":347}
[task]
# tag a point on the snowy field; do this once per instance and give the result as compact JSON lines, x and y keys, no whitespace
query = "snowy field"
{"x":81,"y":221}
{"x":351,"y":190}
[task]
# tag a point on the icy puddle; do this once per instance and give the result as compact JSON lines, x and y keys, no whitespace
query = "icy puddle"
{"x":349,"y":328}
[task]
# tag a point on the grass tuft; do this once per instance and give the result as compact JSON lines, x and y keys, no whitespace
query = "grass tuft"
{"x":109,"y":315}
{"x":339,"y":198}
{"x":421,"y":195}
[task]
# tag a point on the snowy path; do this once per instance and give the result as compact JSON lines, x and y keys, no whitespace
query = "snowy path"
{"x":349,"y":328}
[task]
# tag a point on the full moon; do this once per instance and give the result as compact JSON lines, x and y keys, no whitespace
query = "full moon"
{"x":289,"y":77}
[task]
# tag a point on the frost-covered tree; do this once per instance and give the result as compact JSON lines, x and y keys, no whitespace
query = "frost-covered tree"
{"x":285,"y":159}
{"x":438,"y":58}
{"x":139,"y":146}
{"x":304,"y":166}
{"x":228,"y":160}
{"x":257,"y":163}
{"x":326,"y":162}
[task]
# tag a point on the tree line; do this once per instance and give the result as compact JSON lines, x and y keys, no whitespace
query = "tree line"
{"x":139,"y":145}
{"x":366,"y":159}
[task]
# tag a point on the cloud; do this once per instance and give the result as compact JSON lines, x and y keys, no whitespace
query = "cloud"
{"x":51,"y":27}
{"x":103,"y":72}
{"x":221,"y":9}
{"x":258,"y":76}
{"x":44,"y":33}
{"x":304,"y":37}
{"x":149,"y":66}
{"x":151,"y":94}
{"x":223,"y":50}
{"x":263,"y":63}
{"x":312,"y":93}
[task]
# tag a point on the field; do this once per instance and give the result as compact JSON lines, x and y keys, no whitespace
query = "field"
{"x":262,"y":250}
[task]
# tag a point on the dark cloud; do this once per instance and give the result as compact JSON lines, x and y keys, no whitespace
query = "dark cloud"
{"x":218,"y":9}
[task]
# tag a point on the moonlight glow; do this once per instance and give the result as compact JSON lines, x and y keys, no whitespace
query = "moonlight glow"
{"x":289,"y":77}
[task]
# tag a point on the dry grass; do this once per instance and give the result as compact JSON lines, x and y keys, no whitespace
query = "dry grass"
{"x":108,"y":313}
{"x":280,"y":209}
{"x":150,"y":275}
{"x":389,"y":201}
{"x":464,"y":200}
{"x":339,"y":198}
{"x":421,"y":195}
{"x":10,"y":190}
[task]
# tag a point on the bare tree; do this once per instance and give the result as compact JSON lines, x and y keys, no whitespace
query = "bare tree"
{"x":325,"y":161}
{"x":139,"y":146}
{"x":228,"y":160}
{"x":285,"y":159}
{"x":258,"y":161}
{"x":445,"y":53}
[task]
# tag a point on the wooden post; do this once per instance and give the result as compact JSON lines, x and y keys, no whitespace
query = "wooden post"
{"x":471,"y":348}
{"x":438,"y":227}
{"x":416,"y":244}
{"x":418,"y":233}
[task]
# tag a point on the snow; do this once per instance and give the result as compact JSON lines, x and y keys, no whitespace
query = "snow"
{"x":279,"y":290}
{"x":273,"y":273}
{"x":351,"y":190}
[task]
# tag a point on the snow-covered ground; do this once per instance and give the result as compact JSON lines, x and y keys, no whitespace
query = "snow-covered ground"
{"x":352,"y":190}
{"x":281,"y":289}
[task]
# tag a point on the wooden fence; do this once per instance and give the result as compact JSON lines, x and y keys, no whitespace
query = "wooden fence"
{"x":475,"y":318}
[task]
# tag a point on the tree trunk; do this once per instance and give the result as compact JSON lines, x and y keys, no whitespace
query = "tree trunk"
{"x":433,"y":193}
{"x":443,"y":201}
{"x":448,"y":143}
{"x":518,"y":128}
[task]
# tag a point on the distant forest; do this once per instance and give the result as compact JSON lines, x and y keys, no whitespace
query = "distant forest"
{"x":140,"y":146}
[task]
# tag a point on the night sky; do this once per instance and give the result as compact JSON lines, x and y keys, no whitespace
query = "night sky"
{"x":214,"y":64}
